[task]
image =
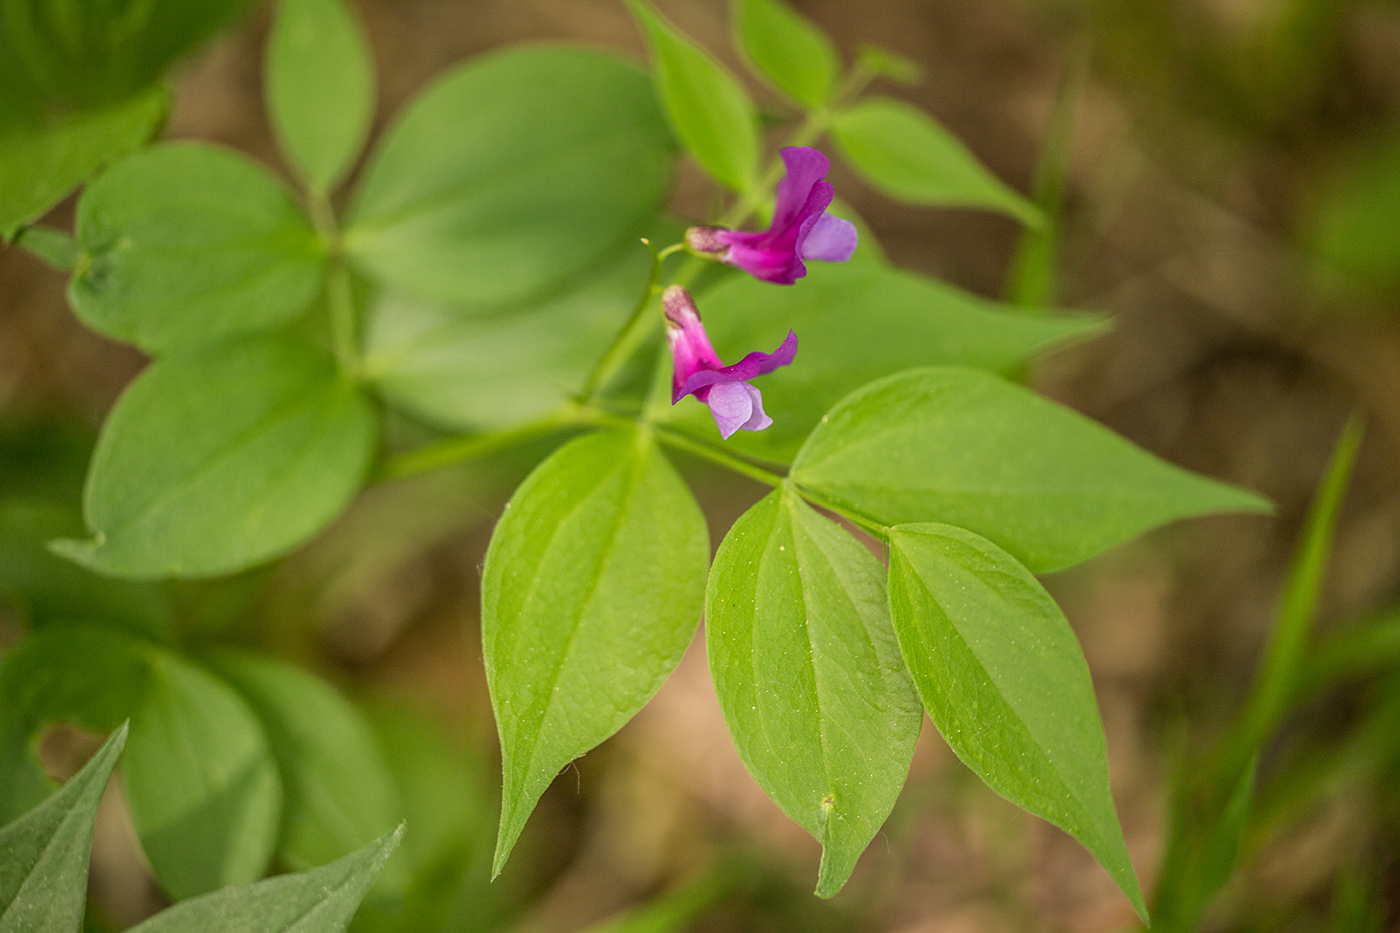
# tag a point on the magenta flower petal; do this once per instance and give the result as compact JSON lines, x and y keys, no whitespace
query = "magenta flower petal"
{"x":801,"y":227}
{"x":754,"y":365}
{"x":830,"y":239}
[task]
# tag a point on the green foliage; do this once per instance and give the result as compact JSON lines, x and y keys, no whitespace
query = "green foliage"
{"x":43,"y":876}
{"x":809,"y":677}
{"x":215,"y":460}
{"x":964,"y":447}
{"x":598,"y":565}
{"x":490,"y":369}
{"x":707,"y":107}
{"x":1203,"y":845}
{"x":903,"y":152}
{"x":1002,"y":677}
{"x":185,"y":244}
{"x":788,"y":49}
{"x":200,"y":779}
{"x":42,"y":159}
{"x":882,"y":63}
{"x":905,"y":320}
{"x":320,"y":88}
{"x":318,"y":901}
{"x":510,"y":176}
{"x":338,"y":793}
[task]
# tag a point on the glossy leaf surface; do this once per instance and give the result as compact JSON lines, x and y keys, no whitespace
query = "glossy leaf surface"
{"x":1002,"y":676}
{"x":186,"y":244}
{"x":511,"y":175}
{"x":213,"y":461}
{"x":809,"y":676}
{"x":591,"y":592}
{"x":967,"y":448}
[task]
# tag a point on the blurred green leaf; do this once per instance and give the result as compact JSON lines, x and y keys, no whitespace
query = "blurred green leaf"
{"x":43,"y":876}
{"x":49,"y":589}
{"x":904,"y":153}
{"x":1041,"y":481}
{"x":44,"y":158}
{"x":322,"y":900}
{"x":56,"y":248}
{"x":514,"y":174}
{"x":1354,"y":226}
{"x":591,"y":593}
{"x":320,"y":88}
{"x":200,"y":781}
{"x":1002,"y":676}
{"x":809,"y":677}
{"x":707,"y":106}
{"x":905,"y":320}
{"x":470,"y":369}
{"x":187,"y":244}
{"x":882,"y":63}
{"x":337,"y":790}
{"x":788,"y":49}
{"x":216,"y":460}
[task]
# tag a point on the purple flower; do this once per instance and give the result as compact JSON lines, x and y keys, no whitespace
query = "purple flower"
{"x":699,"y":371}
{"x":801,"y":227}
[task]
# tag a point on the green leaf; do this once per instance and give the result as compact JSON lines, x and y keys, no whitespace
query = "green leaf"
{"x":905,"y":320}
{"x":513,"y":174}
{"x":322,"y":900}
{"x":1202,"y":848}
{"x":1002,"y":677}
{"x":50,"y":590}
{"x":43,"y":876}
{"x":220,"y":459}
{"x":883,"y":63}
{"x":788,"y":49}
{"x":809,"y":677}
{"x":708,"y":108}
{"x":186,"y":244}
{"x":338,"y":793}
{"x":591,"y":592}
{"x":200,"y":780}
{"x":904,"y":153}
{"x":968,"y":448}
{"x":320,"y":88}
{"x":41,"y":160}
{"x":493,"y":369}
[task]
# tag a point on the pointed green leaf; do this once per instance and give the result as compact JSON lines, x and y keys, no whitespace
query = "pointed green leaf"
{"x":320,"y":88}
{"x":968,"y":448}
{"x":884,"y":63}
{"x":186,"y":244}
{"x":905,"y":320}
{"x":1002,"y":677}
{"x":591,"y":592}
{"x":43,"y":159}
{"x":337,"y":790}
{"x":903,"y":152}
{"x":43,"y":875}
{"x":809,"y":676}
{"x":788,"y":49}
{"x":707,"y":106}
{"x":216,"y":460}
{"x":322,"y":900}
{"x":200,"y":780}
{"x":511,"y":176}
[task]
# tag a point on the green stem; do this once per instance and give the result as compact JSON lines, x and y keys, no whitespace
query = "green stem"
{"x":718,"y":455}
{"x":620,"y":350}
{"x":471,"y":447}
{"x":342,"y":313}
{"x":859,"y":519}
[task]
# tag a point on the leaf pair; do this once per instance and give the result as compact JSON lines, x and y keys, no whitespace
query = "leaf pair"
{"x":224,"y":769}
{"x":43,"y":878}
{"x":897,"y":148}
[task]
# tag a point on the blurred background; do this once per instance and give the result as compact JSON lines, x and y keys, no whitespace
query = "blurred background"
{"x":1230,"y":192}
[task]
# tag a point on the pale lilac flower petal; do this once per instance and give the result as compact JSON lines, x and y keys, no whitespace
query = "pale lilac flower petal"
{"x":759,"y":419}
{"x":732,"y":407}
{"x":830,"y":239}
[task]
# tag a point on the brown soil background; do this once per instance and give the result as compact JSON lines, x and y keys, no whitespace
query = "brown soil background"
{"x":1179,"y":223}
